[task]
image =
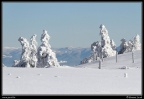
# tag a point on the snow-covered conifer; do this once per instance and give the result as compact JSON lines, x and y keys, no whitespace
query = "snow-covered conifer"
{"x":113,"y":44}
{"x":105,"y":48}
{"x":24,"y":60}
{"x":136,"y":43}
{"x":46,"y":57}
{"x":123,"y":46}
{"x":105,"y":42}
{"x":97,"y":49}
{"x":33,"y":48}
{"x":130,"y":45}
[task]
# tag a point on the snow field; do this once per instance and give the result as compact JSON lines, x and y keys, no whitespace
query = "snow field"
{"x":71,"y":80}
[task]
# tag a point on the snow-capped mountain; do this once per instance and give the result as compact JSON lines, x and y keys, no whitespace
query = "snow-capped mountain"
{"x":10,"y":54}
{"x":71,"y":55}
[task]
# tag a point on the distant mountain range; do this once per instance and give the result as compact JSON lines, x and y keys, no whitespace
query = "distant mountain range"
{"x":73,"y":56}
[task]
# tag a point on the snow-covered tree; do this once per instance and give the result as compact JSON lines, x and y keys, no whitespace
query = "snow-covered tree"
{"x":96,"y":49}
{"x":24,"y":59}
{"x":136,"y":42}
{"x":94,"y":53}
{"x":16,"y":63}
{"x":84,"y":61}
{"x":123,"y":46}
{"x":107,"y":50}
{"x":46,"y":57}
{"x":130,"y":46}
{"x":33,"y":48}
{"x":33,"y":57}
{"x":87,"y":60}
{"x":113,"y":44}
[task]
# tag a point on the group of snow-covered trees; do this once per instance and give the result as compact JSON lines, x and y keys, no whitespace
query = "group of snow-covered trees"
{"x":43,"y":56}
{"x":33,"y":57}
{"x":107,"y":48}
{"x":130,"y":46}
{"x":101,"y":49}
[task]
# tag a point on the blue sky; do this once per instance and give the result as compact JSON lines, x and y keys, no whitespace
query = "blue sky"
{"x":70,"y":24}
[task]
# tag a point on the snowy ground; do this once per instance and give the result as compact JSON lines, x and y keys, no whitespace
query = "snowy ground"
{"x":83,"y":79}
